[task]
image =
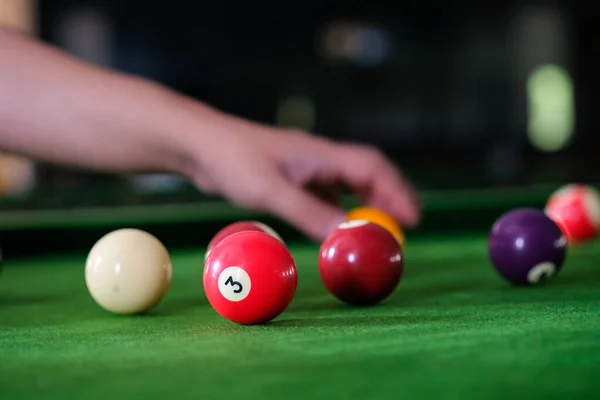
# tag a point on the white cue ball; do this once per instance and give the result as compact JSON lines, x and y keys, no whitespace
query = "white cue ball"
{"x":128,"y":271}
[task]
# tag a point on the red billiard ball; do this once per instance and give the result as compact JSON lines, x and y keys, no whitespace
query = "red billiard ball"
{"x":240,"y":226}
{"x":576,"y":209}
{"x":250,"y":277}
{"x":361,"y":263}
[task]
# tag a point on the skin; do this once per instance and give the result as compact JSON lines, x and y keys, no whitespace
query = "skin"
{"x":58,"y":109}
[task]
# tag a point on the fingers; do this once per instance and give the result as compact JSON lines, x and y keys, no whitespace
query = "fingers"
{"x":378,"y":181}
{"x":275,"y":182}
{"x":363,"y":169}
{"x":314,"y":216}
{"x":327,"y":190}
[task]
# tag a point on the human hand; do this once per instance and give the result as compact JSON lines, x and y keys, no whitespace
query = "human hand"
{"x":297,"y":176}
{"x":112,"y":122}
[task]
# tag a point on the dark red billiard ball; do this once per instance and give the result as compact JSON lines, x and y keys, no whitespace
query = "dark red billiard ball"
{"x":240,"y":226}
{"x":576,"y":210}
{"x":361,"y":263}
{"x":526,"y":247}
{"x":250,"y":277}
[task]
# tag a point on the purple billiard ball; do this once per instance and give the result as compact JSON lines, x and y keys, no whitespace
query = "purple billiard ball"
{"x":526,"y":247}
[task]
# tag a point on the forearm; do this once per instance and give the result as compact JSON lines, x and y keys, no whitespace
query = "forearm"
{"x":59,"y":109}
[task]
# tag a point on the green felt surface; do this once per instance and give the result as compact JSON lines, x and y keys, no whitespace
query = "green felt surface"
{"x":453,"y":330}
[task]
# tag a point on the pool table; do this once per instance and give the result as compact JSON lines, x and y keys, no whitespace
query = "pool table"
{"x":452,"y":330}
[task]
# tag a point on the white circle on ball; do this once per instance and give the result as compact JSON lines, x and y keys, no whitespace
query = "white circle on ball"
{"x":353,"y":224}
{"x":543,"y":270}
{"x":234,"y":284}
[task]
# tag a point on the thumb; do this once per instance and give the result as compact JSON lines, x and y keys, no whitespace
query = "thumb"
{"x":312,"y":215}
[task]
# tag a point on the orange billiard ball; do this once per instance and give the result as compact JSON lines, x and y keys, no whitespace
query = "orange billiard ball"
{"x":380,"y":218}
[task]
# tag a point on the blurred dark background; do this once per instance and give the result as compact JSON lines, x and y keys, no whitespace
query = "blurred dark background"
{"x":460,"y":94}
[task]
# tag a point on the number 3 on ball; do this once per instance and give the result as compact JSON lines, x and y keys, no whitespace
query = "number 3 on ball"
{"x":234,"y":284}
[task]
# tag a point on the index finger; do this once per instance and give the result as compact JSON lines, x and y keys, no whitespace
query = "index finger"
{"x":378,"y":182}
